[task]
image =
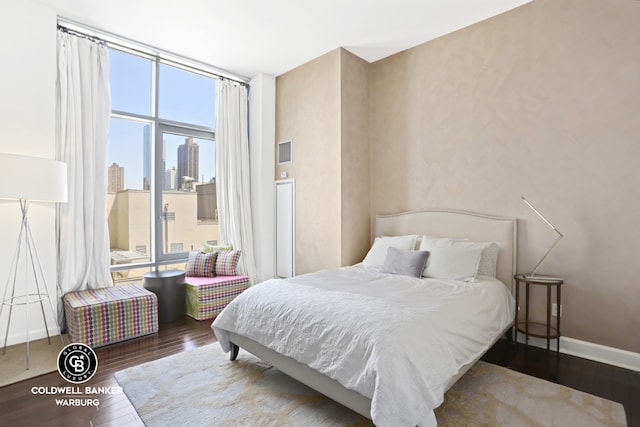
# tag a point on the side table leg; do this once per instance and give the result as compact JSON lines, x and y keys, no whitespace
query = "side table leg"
{"x":559,"y":302}
{"x":548,"y":316}
{"x":526,"y":315}
{"x":515,"y":320}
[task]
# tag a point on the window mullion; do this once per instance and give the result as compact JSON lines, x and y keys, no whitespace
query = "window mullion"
{"x":131,"y":116}
{"x":186,"y":130}
{"x":156,"y":211}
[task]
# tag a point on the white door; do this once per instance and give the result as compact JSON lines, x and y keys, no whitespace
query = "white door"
{"x":285,"y":228}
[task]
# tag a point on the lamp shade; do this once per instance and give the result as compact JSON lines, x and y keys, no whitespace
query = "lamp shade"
{"x":32,"y":178}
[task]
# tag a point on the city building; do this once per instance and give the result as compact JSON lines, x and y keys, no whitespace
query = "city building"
{"x":188,"y":164}
{"x":170,"y":179}
{"x":207,"y":202}
{"x":146,"y":166}
{"x":129,"y":216}
{"x":115,"y":180}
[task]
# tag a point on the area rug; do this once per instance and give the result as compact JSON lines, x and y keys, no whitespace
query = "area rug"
{"x":202,"y":388}
{"x":43,"y":358}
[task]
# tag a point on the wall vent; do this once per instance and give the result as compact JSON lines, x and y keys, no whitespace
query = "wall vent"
{"x":285,"y":152}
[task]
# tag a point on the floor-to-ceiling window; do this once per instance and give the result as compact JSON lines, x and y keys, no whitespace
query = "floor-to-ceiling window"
{"x":161,"y":184}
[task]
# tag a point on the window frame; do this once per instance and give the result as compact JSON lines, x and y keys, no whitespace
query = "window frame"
{"x":167,"y":126}
{"x":159,"y":126}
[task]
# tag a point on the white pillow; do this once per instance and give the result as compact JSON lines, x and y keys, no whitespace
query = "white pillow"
{"x":451,"y":258}
{"x":489,"y":260}
{"x":378,"y":251}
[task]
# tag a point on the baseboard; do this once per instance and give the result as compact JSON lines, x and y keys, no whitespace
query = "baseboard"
{"x":34,"y":334}
{"x":587,"y":350}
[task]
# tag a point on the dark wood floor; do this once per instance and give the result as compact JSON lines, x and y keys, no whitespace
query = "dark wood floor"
{"x":19,"y":407}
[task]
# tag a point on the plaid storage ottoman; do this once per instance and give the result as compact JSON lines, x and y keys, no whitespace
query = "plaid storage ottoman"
{"x":98,"y":317}
{"x":208,"y":296}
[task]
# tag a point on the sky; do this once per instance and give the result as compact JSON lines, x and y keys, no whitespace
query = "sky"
{"x":183,"y":96}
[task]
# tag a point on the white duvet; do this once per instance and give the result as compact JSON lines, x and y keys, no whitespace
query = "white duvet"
{"x":395,"y":339}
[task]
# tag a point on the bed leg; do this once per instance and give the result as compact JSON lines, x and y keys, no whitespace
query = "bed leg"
{"x":234,"y":352}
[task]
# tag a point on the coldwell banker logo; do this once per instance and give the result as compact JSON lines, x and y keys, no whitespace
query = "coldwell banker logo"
{"x":77,"y":363}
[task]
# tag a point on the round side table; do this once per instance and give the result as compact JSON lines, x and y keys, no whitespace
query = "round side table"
{"x":534,"y":329}
{"x":168,"y":285}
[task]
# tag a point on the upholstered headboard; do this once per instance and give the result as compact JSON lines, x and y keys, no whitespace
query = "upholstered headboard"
{"x":461,"y":225}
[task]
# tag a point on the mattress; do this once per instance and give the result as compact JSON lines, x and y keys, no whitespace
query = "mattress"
{"x":394,"y":339}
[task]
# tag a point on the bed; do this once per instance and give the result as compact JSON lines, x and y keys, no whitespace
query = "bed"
{"x":387,"y":346}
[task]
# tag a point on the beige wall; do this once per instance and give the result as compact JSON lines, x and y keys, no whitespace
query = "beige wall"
{"x":542,"y":102}
{"x":308,"y":113}
{"x":323,"y":107}
{"x":355,"y":159}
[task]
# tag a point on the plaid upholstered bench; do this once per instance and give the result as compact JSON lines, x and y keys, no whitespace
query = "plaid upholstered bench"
{"x":208,"y":296}
{"x":98,"y":317}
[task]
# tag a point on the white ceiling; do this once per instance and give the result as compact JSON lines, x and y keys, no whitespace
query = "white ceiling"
{"x":248,"y":37}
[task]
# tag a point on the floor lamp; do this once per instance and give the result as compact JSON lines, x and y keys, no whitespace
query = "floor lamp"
{"x":29,"y":179}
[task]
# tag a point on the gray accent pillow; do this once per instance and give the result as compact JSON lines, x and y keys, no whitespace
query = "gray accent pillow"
{"x":408,"y":263}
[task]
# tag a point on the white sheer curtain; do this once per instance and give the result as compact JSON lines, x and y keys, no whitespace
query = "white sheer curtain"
{"x":83,"y":109}
{"x":232,"y":171}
